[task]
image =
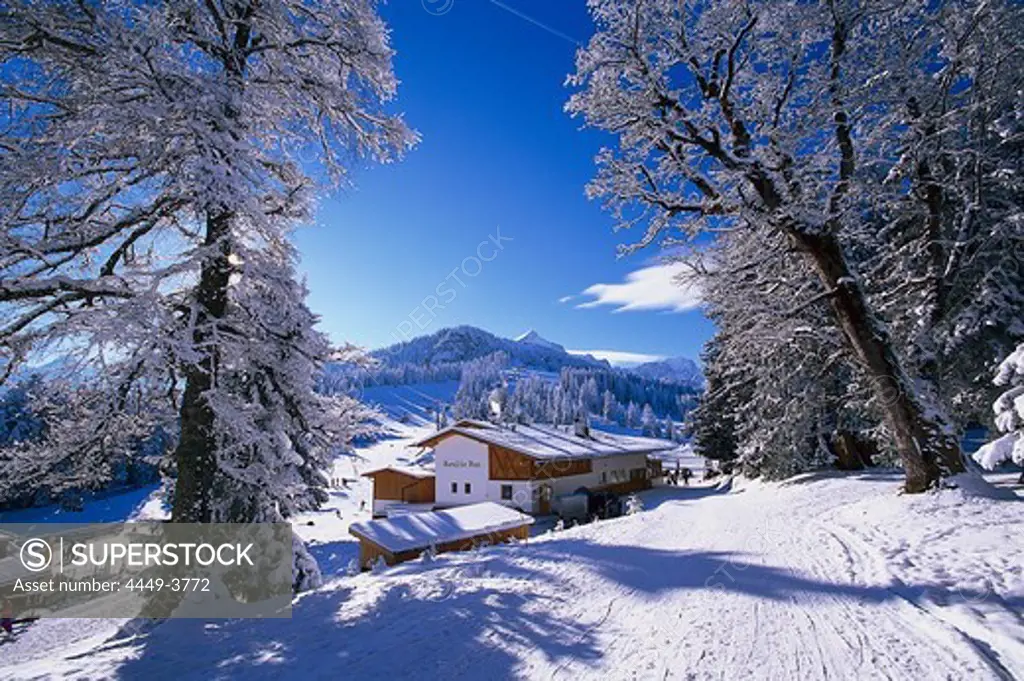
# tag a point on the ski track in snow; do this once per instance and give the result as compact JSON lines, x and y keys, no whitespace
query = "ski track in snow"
{"x":822,"y":577}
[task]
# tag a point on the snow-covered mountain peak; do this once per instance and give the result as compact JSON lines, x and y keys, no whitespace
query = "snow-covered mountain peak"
{"x":534,"y":338}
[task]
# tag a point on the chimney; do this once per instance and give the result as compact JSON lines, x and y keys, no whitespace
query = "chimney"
{"x":582,"y":426}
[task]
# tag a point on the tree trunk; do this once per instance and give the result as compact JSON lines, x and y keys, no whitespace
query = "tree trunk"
{"x":848,"y":457}
{"x":196,"y":453}
{"x":927,"y":448}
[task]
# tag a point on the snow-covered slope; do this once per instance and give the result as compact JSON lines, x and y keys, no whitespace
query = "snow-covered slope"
{"x":676,"y":369}
{"x":416,"y":403}
{"x":823,"y":577}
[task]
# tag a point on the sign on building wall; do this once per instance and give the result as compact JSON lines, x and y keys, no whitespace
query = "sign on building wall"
{"x":461,"y":464}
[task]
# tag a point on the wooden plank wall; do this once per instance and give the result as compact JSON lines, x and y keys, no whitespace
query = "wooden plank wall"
{"x":395,"y":486}
{"x":560,"y":468}
{"x":420,"y":492}
{"x":506,"y":464}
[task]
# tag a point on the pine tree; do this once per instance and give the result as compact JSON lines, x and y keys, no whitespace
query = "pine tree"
{"x":608,"y":405}
{"x":712,"y":425}
{"x":1009,"y":415}
{"x":590,"y":396}
{"x":480,"y":378}
{"x":648,"y":422}
{"x":632,"y":415}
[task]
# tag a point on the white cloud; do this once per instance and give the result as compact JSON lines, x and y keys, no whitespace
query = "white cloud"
{"x":565,"y":299}
{"x":649,"y":288}
{"x":619,"y":358}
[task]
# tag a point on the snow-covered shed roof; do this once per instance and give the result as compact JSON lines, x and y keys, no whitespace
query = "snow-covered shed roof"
{"x":550,"y":442}
{"x":420,"y":530}
{"x":411,"y":471}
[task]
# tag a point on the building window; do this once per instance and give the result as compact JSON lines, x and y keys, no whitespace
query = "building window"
{"x":455,"y":488}
{"x":604,"y":477}
{"x":469,"y":488}
{"x":506,"y":492}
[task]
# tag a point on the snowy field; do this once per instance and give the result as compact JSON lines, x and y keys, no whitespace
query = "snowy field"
{"x":823,"y":576}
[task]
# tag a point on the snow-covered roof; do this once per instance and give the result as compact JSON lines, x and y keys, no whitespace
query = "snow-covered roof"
{"x":411,"y":471}
{"x":551,"y":442}
{"x":420,"y":530}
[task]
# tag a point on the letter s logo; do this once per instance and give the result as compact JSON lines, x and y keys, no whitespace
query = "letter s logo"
{"x":36,"y":555}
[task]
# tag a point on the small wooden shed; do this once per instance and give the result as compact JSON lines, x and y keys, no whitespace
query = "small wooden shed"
{"x":403,"y":537}
{"x":401,"y":488}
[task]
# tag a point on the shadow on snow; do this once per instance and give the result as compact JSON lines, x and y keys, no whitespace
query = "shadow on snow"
{"x":473,"y":625}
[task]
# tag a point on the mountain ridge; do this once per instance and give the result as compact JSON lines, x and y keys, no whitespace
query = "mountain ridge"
{"x":464,"y":343}
{"x":676,"y":369}
{"x":529,"y":350}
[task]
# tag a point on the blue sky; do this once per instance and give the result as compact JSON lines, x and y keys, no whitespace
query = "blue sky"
{"x":411,"y":248}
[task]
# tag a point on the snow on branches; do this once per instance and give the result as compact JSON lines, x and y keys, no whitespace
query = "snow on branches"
{"x":1009,"y":413}
{"x":154,"y":159}
{"x":838,"y":132}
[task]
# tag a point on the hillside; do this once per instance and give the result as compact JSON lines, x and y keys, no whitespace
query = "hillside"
{"x":675,"y":369}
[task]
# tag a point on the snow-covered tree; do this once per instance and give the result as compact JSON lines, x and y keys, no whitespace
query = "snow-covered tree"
{"x":648,"y":421}
{"x":773,"y":390}
{"x":155,"y":159}
{"x":668,"y":429}
{"x":480,"y":378}
{"x":786,"y":117}
{"x":567,"y":409}
{"x":441,"y":416}
{"x":941,"y":248}
{"x":632,"y":415}
{"x":590,"y":397}
{"x":712,"y":424}
{"x":48,"y":451}
{"x":1009,"y":415}
{"x":497,"y":400}
{"x":19,"y":422}
{"x":609,"y":406}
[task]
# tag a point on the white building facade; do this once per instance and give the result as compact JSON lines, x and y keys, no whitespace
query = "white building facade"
{"x":463,"y":476}
{"x":462,"y":467}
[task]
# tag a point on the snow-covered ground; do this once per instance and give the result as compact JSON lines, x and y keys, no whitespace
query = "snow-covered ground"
{"x":823,"y":576}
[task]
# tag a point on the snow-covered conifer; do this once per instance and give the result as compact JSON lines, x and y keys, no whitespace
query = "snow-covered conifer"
{"x":1009,"y":415}
{"x":632,"y":415}
{"x":648,"y":422}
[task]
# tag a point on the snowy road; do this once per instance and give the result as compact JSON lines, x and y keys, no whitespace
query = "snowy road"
{"x":778,"y":593}
{"x":823,"y":578}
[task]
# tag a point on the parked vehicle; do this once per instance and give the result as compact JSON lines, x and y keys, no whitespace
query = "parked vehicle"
{"x":605,"y":505}
{"x":573,"y":507}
